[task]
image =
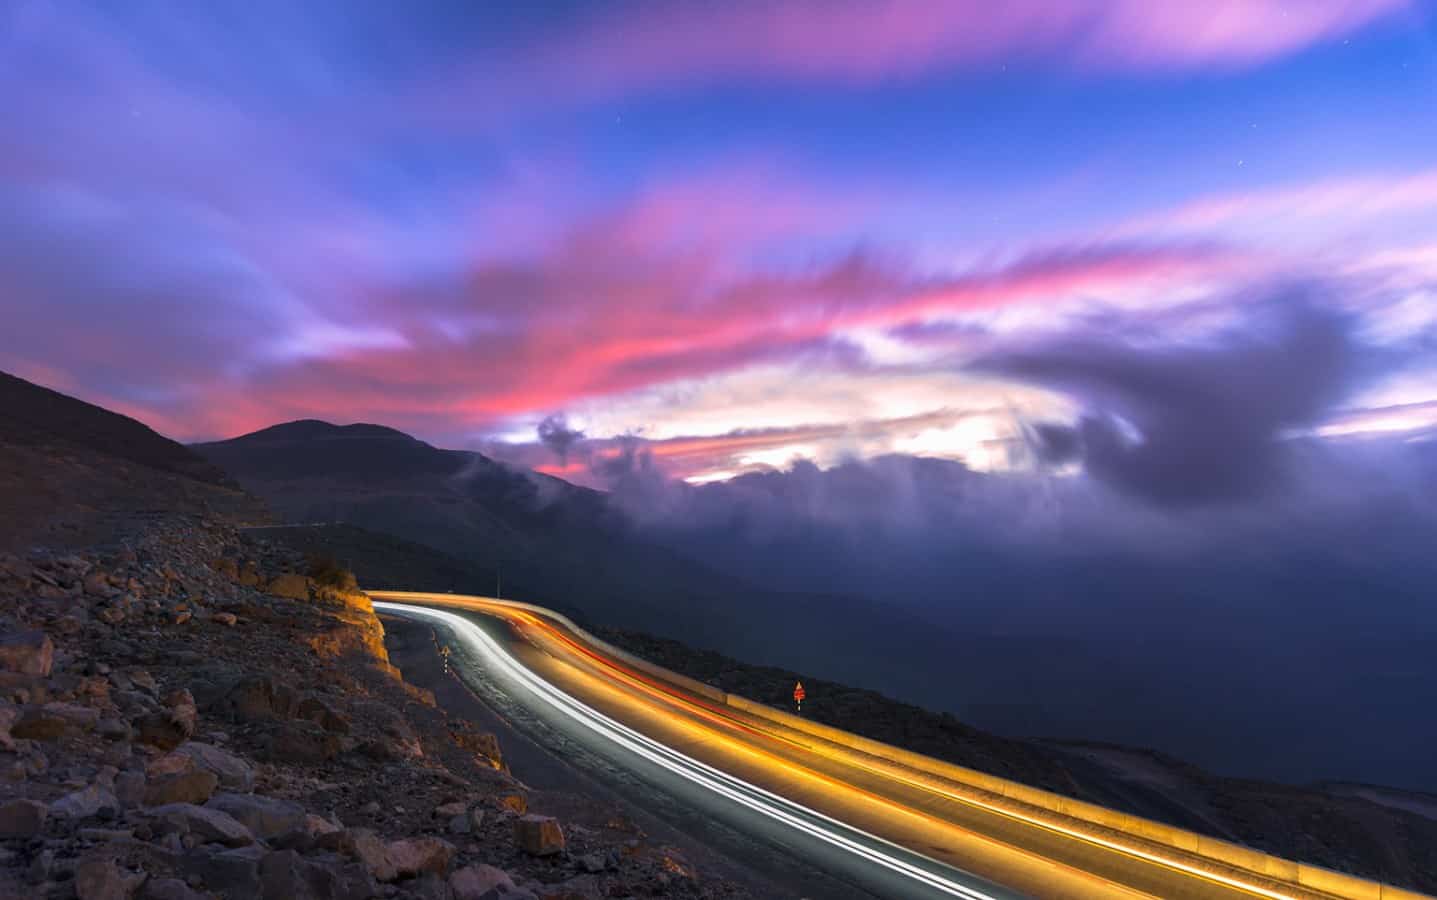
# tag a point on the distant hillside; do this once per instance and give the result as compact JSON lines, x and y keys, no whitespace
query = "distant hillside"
{"x":72,"y":473}
{"x":33,"y":415}
{"x":552,"y":542}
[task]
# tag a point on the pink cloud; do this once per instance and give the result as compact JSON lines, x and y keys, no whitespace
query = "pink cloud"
{"x":863,"y":42}
{"x":1328,"y":204}
{"x":689,"y":455}
{"x":596,"y":319}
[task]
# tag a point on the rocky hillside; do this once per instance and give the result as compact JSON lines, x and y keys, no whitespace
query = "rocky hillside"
{"x":195,"y":714}
{"x":1378,"y":833}
{"x":73,"y":474}
{"x":37,"y":416}
{"x":190,"y":711}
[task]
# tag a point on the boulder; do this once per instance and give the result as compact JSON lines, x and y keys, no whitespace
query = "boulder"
{"x":307,"y":834}
{"x":168,"y":889}
{"x":426,"y":887}
{"x":450,"y":810}
{"x":181,"y":704}
{"x":22,"y":818}
{"x":598,"y":861}
{"x":236,"y":872}
{"x":130,"y":788}
{"x":52,"y":721}
{"x":112,"y":729}
{"x":97,"y":584}
{"x":480,"y":882}
{"x":303,"y":743}
{"x":365,"y":846}
{"x":513,"y":801}
{"x":258,"y":697}
{"x":539,"y":835}
{"x":209,"y":825}
{"x":8,"y":714}
{"x":224,"y":618}
{"x":234,"y":773}
{"x":415,"y":856}
{"x":285,"y":875}
{"x":87,"y":802}
{"x":481,"y":744}
{"x":266,"y":817}
{"x":99,"y":877}
{"x":27,"y":652}
{"x":184,"y":787}
{"x":323,"y":714}
{"x":290,"y":586}
{"x":168,"y":728}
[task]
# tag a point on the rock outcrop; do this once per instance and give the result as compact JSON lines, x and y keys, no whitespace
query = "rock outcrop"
{"x":194,"y":714}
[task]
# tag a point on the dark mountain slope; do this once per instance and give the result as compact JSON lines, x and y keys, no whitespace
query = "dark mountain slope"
{"x":72,"y":473}
{"x":32,"y":415}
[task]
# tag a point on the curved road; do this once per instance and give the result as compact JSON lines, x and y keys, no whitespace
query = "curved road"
{"x":890,"y":830}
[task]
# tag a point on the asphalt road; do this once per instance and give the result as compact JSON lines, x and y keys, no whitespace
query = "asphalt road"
{"x":892,"y":831}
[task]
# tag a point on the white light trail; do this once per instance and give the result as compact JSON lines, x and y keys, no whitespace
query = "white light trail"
{"x":739,"y":791}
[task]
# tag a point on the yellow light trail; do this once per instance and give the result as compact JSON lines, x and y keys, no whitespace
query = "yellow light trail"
{"x":732,"y":735}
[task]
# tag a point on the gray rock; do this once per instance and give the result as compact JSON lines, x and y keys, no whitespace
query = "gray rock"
{"x":364,"y":845}
{"x":285,"y":875}
{"x":259,"y":697}
{"x":303,"y":743}
{"x":52,"y":721}
{"x":8,"y":714}
{"x":27,"y":652}
{"x":594,"y":862}
{"x":234,"y":773}
{"x":265,"y":817}
{"x":414,"y":856}
{"x":308,"y":834}
{"x":209,"y":825}
{"x":162,"y":729}
{"x":480,"y":883}
{"x":460,"y":824}
{"x":181,"y":787}
{"x":41,"y":867}
{"x":234,"y":871}
{"x":99,"y":877}
{"x":130,"y":788}
{"x":538,"y":835}
{"x":113,"y":729}
{"x":168,"y":889}
{"x":322,"y":713}
{"x":83,"y":804}
{"x":172,"y":726}
{"x":426,"y":887}
{"x":22,"y":818}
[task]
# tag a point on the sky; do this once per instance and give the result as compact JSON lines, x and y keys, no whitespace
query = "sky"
{"x":742,"y":233}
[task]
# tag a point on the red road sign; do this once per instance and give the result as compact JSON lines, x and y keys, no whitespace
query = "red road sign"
{"x":798,"y":692}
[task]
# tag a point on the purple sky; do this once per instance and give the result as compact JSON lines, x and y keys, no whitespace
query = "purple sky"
{"x":748,"y":232}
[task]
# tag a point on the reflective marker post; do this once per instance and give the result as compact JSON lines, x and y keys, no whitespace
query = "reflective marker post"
{"x":798,"y":695}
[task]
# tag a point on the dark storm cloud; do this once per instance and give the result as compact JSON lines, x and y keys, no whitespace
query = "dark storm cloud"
{"x":1204,"y":419}
{"x":1054,"y":443}
{"x":555,"y":433}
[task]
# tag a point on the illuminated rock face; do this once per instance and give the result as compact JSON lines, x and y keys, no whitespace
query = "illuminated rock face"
{"x":539,"y":835}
